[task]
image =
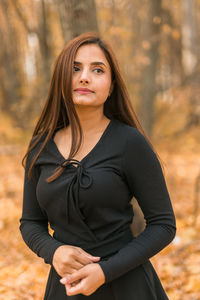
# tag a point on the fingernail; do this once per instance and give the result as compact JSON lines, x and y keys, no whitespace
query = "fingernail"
{"x":63,"y":280}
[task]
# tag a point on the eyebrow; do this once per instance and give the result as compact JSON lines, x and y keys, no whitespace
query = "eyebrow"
{"x":93,"y":63}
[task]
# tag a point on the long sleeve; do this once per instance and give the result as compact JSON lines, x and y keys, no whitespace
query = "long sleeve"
{"x":34,"y":222}
{"x":143,"y":174}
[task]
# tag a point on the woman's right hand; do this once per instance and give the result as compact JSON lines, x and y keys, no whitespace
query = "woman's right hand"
{"x":67,"y":259}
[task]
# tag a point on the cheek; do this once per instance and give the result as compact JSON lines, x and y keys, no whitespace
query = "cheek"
{"x":104,"y":85}
{"x":73,"y":82}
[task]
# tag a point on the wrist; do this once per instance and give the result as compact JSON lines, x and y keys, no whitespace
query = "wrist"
{"x":101,"y":274}
{"x":56,"y":252}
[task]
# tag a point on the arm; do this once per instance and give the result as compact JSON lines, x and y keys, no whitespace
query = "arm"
{"x":34,"y":222}
{"x":143,"y":174}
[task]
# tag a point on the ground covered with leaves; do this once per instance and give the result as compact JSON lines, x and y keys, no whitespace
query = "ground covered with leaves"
{"x":23,"y":275}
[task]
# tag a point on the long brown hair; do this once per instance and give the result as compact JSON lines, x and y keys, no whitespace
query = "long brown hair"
{"x":59,"y":111}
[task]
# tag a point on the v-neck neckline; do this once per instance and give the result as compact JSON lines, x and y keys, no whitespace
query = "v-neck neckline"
{"x":59,"y":154}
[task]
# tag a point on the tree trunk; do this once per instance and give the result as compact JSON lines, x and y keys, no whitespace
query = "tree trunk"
{"x":11,"y":70}
{"x":150,"y":35}
{"x":43,"y":61}
{"x":44,"y":36}
{"x":189,"y":36}
{"x":77,"y":17}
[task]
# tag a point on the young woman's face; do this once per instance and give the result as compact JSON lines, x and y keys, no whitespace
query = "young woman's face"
{"x":91,"y":71}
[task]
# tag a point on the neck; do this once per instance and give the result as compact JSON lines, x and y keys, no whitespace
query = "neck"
{"x":91,"y":120}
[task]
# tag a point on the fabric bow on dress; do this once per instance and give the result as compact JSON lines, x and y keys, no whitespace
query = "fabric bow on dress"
{"x":72,"y":191}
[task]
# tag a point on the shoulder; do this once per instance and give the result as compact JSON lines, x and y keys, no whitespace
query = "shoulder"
{"x":40,"y":137}
{"x":131,"y":135}
{"x":36,"y":142}
{"x":135,"y":145}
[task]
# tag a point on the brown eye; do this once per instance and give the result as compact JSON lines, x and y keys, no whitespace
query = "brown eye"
{"x":101,"y":71}
{"x":76,"y":69}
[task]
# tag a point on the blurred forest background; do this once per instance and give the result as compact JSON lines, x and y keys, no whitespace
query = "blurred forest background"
{"x":157,"y":44}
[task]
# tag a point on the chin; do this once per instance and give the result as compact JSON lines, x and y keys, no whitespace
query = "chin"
{"x":83,"y":102}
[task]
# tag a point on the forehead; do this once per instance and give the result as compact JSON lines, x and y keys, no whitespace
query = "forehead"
{"x":90,"y":53}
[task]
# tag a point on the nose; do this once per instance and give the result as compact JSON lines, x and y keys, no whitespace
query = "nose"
{"x":84,"y":81}
{"x":84,"y":77}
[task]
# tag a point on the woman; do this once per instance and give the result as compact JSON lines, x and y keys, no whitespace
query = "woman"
{"x":86,"y":160}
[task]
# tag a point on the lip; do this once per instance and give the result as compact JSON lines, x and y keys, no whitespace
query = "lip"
{"x":83,"y":91}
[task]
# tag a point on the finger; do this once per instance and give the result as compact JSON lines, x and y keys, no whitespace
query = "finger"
{"x":73,"y":277}
{"x":74,"y":290}
{"x":89,"y":255}
{"x":71,"y":284}
{"x":69,"y":272}
{"x":75,"y":282}
{"x":66,"y":275}
{"x":84,"y":259}
{"x":76,"y":265}
{"x":73,"y":267}
{"x":76,"y":276}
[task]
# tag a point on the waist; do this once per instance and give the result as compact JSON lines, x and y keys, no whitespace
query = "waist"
{"x":107,"y":248}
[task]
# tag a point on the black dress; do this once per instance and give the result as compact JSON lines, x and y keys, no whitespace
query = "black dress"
{"x":89,"y":206}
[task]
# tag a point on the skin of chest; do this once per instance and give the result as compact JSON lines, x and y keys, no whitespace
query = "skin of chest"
{"x":63,"y":141}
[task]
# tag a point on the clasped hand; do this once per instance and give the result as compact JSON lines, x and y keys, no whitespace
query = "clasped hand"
{"x":80,"y":274}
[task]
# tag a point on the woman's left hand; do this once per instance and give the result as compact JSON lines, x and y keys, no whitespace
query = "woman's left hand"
{"x":85,"y":280}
